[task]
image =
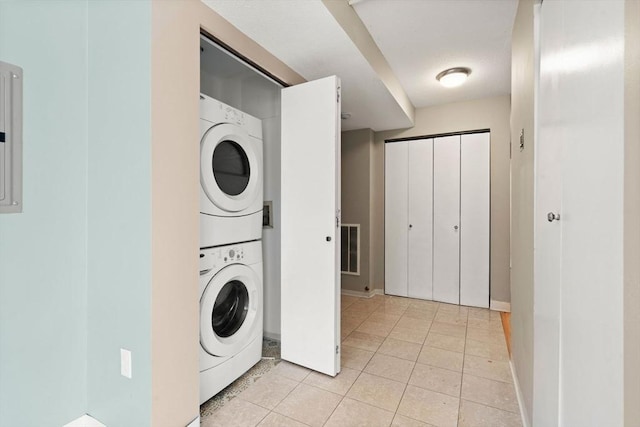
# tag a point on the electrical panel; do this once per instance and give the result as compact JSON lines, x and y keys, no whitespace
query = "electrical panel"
{"x":10,"y":138}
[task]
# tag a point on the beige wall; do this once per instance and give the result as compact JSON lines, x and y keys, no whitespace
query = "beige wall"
{"x":175,"y":208}
{"x":632,"y":216}
{"x":522,"y":206}
{"x":175,"y":180}
{"x":356,"y":198}
{"x":489,"y":113}
{"x":376,"y":217}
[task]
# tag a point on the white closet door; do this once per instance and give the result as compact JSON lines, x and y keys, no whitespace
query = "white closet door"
{"x":310,"y":206}
{"x":474,"y":220}
{"x":446,"y":219}
{"x":396,"y":218}
{"x":420,"y":243}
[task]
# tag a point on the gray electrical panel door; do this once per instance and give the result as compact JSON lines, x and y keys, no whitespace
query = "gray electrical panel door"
{"x":10,"y":138}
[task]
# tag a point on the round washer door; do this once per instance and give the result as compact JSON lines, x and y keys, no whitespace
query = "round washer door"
{"x":229,"y":310}
{"x":229,"y":169}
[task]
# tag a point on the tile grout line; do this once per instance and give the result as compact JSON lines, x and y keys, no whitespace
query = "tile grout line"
{"x":360,"y":372}
{"x":414,"y":367}
{"x":401,"y":313}
{"x":287,"y":395}
{"x":482,"y":403}
{"x":464,"y":355}
{"x":342,"y":399}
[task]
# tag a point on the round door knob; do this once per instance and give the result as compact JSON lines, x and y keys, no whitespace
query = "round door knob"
{"x":553,"y":217}
{"x":328,"y":238}
{"x":410,"y":225}
{"x":455,"y":227}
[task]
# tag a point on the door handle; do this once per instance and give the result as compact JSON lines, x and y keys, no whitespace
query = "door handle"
{"x":455,"y":227}
{"x":328,"y":238}
{"x":553,"y":217}
{"x":410,"y":226}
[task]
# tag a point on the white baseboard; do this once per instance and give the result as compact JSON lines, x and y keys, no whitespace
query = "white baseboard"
{"x":521,"y":405}
{"x":500,"y":306}
{"x":85,"y":421}
{"x":195,"y":423}
{"x":362,"y":294}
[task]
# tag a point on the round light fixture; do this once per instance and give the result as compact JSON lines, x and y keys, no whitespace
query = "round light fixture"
{"x":453,"y":77}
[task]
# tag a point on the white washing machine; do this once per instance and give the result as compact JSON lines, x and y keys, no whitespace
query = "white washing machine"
{"x":230,"y":314}
{"x":231,"y":177}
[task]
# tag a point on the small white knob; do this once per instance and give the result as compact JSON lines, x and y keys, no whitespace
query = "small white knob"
{"x":553,"y":217}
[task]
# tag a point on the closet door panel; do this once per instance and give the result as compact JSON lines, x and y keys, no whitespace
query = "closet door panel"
{"x":396,"y":218}
{"x":474,"y":219}
{"x":446,"y":219}
{"x":420,"y":260}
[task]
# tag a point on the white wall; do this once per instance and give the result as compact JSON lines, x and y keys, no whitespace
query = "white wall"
{"x":271,"y":236}
{"x":522,"y":118}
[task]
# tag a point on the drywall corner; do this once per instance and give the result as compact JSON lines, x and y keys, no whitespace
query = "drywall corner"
{"x":350,"y":22}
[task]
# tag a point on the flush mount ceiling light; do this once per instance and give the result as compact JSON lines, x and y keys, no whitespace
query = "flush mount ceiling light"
{"x":453,"y":77}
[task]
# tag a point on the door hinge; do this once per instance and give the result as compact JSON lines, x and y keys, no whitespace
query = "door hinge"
{"x":337,"y":349}
{"x":337,"y":222}
{"x":338,"y":96}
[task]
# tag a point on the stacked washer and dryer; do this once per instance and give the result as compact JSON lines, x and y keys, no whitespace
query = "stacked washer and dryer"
{"x":231,"y":202}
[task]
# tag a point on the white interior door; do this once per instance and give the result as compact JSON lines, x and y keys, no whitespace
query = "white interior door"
{"x":547,"y":235}
{"x":579,"y":369}
{"x":446,"y":219}
{"x":474,"y":219}
{"x":420,"y":241}
{"x":310,"y":211}
{"x":396,"y":217}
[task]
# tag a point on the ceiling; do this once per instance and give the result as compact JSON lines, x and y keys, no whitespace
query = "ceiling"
{"x":418,"y":38}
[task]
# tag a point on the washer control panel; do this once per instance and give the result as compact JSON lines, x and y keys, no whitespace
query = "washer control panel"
{"x":219,"y":257}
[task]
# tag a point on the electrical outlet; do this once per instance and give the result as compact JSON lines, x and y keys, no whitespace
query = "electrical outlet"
{"x":125,"y":363}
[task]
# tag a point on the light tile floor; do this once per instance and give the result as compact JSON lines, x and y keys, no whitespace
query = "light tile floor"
{"x":405,"y":362}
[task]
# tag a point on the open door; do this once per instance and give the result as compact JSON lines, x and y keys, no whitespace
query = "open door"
{"x":310,"y":217}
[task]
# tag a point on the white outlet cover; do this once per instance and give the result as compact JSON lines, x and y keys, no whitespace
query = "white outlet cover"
{"x":125,"y":363}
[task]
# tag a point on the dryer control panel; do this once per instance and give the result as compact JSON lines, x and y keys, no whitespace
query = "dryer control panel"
{"x":231,"y":115}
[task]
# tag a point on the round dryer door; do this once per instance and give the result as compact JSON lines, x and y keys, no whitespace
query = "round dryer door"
{"x":229,"y":311}
{"x":229,"y":169}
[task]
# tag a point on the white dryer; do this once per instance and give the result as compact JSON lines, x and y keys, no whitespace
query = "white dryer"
{"x":231,"y":177}
{"x":230,"y":314}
